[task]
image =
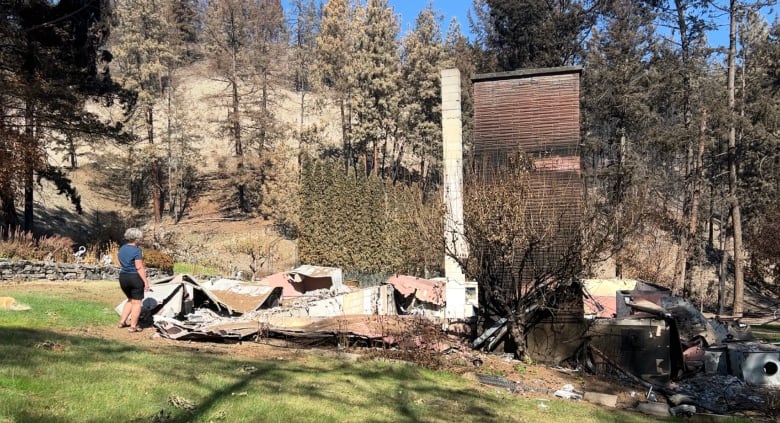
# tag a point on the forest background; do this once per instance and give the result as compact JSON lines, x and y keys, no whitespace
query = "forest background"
{"x":318,"y":127}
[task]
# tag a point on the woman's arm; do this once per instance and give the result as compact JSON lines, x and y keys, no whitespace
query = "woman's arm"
{"x":139,"y":265}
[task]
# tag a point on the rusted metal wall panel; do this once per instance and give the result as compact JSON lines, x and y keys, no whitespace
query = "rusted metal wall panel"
{"x":536,"y":113}
{"x":533,"y":115}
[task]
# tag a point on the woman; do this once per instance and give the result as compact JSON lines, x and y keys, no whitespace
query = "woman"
{"x":132,"y":278}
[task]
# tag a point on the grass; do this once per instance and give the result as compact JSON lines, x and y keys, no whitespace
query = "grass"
{"x":194,"y":269}
{"x":769,"y":333}
{"x":53,"y":368}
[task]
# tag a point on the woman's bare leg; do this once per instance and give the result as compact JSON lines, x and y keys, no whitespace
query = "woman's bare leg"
{"x":135,"y":313}
{"x":126,"y":309}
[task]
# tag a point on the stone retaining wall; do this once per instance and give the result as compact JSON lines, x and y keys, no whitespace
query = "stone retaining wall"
{"x":24,"y":270}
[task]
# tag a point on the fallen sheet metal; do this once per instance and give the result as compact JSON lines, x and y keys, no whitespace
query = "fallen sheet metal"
{"x":424,"y":290}
{"x":206,"y":325}
{"x":281,"y":280}
{"x":310,"y":278}
{"x":244,"y":297}
{"x":369,"y":330}
{"x":691,"y":322}
{"x":177,"y":296}
{"x":489,"y":332}
{"x":306,"y":279}
{"x":379,"y":300}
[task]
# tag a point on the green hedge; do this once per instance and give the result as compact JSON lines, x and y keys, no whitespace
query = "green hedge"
{"x":366,"y":224}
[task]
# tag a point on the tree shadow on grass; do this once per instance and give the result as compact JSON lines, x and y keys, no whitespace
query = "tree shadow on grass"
{"x":326,"y":390}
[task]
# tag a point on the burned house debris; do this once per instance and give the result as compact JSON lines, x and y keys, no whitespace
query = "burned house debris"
{"x":319,"y":306}
{"x":631,"y":330}
{"x":667,"y":344}
{"x":530,"y":118}
{"x":651,"y":339}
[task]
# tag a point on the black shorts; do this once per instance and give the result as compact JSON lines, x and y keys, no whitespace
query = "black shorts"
{"x":132,"y":285}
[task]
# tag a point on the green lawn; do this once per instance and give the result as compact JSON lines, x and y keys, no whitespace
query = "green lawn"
{"x":194,"y":269}
{"x":769,"y":333}
{"x":48,"y":374}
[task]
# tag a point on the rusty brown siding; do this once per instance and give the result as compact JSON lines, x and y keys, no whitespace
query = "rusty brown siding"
{"x":539,"y":114}
{"x":535,"y":112}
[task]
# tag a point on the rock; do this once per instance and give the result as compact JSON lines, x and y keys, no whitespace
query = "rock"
{"x":683,"y":410}
{"x":659,"y":409}
{"x":607,"y":400}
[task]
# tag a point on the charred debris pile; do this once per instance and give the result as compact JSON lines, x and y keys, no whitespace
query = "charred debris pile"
{"x":682,"y":362}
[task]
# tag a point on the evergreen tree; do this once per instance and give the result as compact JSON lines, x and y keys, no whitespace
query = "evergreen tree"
{"x":534,"y":33}
{"x":335,"y":49}
{"x":51,"y":61}
{"x":188,"y":27}
{"x":146,"y":52}
{"x":227,"y":40}
{"x":617,"y":118}
{"x":682,"y":102}
{"x":306,"y":24}
{"x":423,"y":60}
{"x":753,"y":138}
{"x":460,"y":54}
{"x":365,"y":224}
{"x":245,"y":42}
{"x":376,"y":83}
{"x":267,"y":58}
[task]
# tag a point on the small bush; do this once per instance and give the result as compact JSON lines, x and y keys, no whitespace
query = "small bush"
{"x":158,"y":260}
{"x":55,"y":248}
{"x":18,"y":245}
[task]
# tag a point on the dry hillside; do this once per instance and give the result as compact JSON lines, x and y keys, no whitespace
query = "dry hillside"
{"x":206,"y":235}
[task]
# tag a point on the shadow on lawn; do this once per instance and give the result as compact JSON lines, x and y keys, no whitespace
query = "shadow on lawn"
{"x":395,"y":392}
{"x":396,"y":389}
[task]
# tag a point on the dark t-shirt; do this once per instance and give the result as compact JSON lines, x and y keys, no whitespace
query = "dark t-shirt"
{"x":127,"y":256}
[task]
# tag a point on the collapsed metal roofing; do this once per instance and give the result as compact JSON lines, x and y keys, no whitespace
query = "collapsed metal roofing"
{"x":182,"y":308}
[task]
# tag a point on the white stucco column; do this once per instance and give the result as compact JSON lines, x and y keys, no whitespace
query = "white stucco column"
{"x":452,"y":134}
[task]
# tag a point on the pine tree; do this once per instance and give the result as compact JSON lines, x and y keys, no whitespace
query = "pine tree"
{"x":752,"y":137}
{"x":227,"y":40}
{"x":267,"y":58}
{"x":376,"y":83}
{"x":759,"y":105}
{"x":335,"y":49}
{"x":245,"y":44}
{"x":51,"y":61}
{"x":423,"y":59}
{"x":617,"y":117}
{"x":682,"y":102}
{"x":460,"y":54}
{"x":146,"y":52}
{"x":305,"y":31}
{"x":188,"y":27}
{"x":759,"y":108}
{"x":533,"y":33}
